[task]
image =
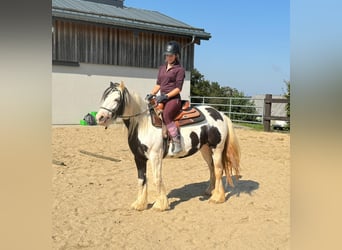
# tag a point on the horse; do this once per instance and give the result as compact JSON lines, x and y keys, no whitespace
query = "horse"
{"x":214,"y":137}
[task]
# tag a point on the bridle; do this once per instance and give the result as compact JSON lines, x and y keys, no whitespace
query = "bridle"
{"x":120,"y":107}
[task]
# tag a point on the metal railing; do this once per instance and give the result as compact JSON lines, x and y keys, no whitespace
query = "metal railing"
{"x":251,"y":113}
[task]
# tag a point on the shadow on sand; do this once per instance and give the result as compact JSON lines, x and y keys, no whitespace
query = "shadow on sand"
{"x":194,"y":190}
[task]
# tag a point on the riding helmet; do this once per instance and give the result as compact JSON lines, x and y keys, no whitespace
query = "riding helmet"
{"x":172,"y":48}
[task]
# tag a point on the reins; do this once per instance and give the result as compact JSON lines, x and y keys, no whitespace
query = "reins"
{"x":126,"y":116}
{"x":130,"y":116}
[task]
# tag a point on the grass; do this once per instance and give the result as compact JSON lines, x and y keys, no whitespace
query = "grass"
{"x":259,"y":127}
{"x":255,"y":126}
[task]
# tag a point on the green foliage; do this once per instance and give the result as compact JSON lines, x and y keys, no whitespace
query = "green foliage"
{"x":204,"y":88}
{"x":287,"y":95}
{"x":199,"y":86}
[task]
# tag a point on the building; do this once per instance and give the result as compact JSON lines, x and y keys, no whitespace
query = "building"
{"x":98,"y":41}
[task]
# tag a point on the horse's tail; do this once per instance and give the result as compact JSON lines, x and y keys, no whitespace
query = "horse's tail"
{"x":231,"y":154}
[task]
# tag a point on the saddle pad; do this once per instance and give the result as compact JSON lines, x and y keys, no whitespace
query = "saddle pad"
{"x":190,"y":116}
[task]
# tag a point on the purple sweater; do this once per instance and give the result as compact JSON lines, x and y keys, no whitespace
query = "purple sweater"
{"x":171,"y":79}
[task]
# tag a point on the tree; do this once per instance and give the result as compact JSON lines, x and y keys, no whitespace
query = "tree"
{"x":199,"y":86}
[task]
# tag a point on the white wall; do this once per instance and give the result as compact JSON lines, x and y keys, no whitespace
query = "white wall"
{"x":78,"y":90}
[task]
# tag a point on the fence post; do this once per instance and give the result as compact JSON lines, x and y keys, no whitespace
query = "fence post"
{"x":267,"y":112}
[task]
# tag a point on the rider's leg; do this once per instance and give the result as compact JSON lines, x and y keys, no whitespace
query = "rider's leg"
{"x":171,"y":110}
{"x":175,"y":135}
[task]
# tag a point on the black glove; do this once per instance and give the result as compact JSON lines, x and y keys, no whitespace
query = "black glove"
{"x":149,"y":97}
{"x":161,"y":98}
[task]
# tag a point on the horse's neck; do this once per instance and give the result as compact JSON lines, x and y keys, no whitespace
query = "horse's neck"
{"x":135,"y":105}
{"x":134,"y":110}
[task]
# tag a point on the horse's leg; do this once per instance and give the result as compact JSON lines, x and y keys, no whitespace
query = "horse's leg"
{"x":141,"y":201}
{"x":161,"y":202}
{"x":207,"y":156}
{"x":218,"y":195}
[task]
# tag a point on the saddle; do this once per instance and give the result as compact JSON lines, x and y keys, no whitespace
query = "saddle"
{"x":187,"y":115}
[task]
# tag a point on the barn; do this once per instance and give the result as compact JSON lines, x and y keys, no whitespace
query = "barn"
{"x":98,"y":41}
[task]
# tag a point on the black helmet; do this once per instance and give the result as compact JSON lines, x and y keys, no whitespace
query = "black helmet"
{"x":172,"y":48}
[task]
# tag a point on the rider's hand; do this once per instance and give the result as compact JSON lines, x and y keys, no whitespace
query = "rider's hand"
{"x":149,"y":97}
{"x":162,"y":98}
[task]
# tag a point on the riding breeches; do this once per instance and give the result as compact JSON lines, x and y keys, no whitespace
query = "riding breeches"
{"x":171,"y":110}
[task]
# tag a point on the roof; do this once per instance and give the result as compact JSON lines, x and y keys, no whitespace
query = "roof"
{"x":124,"y":17}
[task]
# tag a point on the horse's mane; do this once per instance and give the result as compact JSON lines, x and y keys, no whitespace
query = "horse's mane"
{"x":134,"y":104}
{"x":131,"y":104}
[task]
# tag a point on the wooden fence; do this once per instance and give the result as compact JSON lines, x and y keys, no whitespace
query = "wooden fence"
{"x":267,"y":111}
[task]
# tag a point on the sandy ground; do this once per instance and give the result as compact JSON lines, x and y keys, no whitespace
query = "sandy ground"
{"x":92,"y":196}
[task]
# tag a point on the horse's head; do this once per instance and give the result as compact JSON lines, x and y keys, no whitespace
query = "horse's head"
{"x":113,"y":104}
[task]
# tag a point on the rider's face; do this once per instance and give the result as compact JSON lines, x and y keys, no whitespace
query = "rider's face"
{"x":170,"y":58}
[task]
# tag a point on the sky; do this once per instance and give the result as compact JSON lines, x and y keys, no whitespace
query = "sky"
{"x":250,"y":45}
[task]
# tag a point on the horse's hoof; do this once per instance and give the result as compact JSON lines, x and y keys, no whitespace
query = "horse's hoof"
{"x":160,"y":206}
{"x":138,"y":206}
{"x":159,"y":209}
{"x":216,"y":199}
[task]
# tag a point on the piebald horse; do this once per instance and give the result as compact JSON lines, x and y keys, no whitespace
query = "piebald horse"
{"x":214,"y":138}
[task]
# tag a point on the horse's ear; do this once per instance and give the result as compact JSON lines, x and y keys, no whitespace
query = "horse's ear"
{"x":122,"y":85}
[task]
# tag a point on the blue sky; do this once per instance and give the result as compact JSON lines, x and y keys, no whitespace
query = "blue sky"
{"x":250,"y":45}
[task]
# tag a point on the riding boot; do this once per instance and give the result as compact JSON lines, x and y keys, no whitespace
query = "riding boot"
{"x":177,"y":146}
{"x":175,"y":135}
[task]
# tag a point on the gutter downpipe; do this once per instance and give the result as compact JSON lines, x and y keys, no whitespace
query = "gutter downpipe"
{"x":192,"y":41}
{"x":188,"y":44}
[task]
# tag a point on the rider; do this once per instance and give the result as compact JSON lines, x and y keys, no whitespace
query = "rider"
{"x":170,"y":82}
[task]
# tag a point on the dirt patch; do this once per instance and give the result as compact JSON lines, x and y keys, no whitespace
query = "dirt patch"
{"x":93,"y":191}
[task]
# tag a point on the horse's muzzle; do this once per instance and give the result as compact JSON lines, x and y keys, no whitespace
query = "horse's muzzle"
{"x":101,"y":119}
